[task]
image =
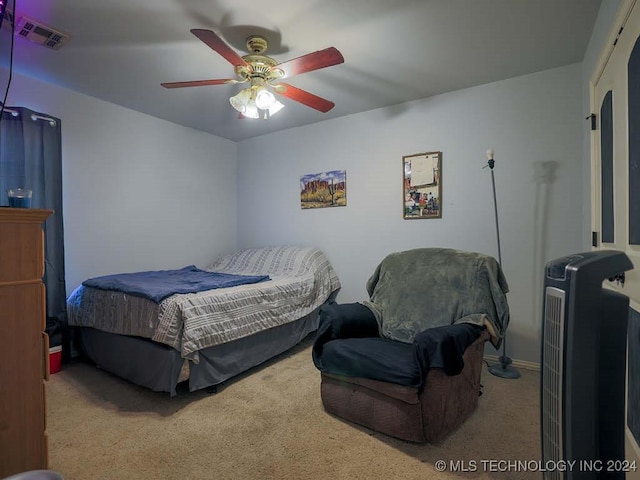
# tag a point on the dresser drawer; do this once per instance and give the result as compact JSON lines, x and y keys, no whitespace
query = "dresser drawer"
{"x":21,"y":252}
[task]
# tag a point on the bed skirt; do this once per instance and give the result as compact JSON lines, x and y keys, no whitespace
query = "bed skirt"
{"x":158,"y":366}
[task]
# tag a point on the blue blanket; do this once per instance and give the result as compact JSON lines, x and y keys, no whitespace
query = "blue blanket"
{"x":158,"y":285}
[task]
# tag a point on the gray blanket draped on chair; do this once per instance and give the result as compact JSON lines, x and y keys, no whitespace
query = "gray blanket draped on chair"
{"x":430,"y":287}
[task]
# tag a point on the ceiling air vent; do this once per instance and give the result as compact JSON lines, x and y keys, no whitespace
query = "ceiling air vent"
{"x":41,"y":34}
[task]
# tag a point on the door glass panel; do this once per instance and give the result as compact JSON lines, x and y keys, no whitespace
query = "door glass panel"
{"x":634,"y":144}
{"x":606,"y":156}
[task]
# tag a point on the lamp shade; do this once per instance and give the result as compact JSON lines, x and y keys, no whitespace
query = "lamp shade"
{"x":275,"y":107}
{"x":264,"y":98}
{"x":241,"y":100}
{"x":251,"y":111}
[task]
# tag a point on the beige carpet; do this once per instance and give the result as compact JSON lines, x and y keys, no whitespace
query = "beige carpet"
{"x":270,"y":424}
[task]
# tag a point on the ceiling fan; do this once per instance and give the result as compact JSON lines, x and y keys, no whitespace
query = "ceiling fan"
{"x":260,"y":71}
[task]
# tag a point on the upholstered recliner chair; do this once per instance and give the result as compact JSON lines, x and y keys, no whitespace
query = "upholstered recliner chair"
{"x":408,"y":361}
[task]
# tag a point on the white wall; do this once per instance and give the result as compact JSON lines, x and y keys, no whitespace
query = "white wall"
{"x":139,"y":193}
{"x":530,"y":121}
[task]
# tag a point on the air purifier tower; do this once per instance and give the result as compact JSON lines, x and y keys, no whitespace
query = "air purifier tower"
{"x":583,"y":365}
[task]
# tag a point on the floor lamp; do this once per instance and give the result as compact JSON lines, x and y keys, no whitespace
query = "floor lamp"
{"x":503,"y":368}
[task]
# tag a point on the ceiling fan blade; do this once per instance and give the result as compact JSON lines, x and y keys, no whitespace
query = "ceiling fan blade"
{"x":198,"y":83}
{"x":304,"y":97}
{"x":216,"y":43}
{"x":311,"y":61}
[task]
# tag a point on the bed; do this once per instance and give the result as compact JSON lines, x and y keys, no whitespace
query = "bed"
{"x":203,"y":338}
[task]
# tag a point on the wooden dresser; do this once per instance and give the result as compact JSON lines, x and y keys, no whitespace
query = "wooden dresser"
{"x":24,"y":357}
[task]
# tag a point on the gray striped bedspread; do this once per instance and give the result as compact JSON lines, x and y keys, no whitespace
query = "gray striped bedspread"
{"x":302,"y":279}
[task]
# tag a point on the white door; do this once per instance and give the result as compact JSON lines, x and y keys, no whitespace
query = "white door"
{"x":615,"y":151}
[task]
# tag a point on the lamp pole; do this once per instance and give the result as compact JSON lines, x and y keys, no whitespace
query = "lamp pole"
{"x":503,"y":368}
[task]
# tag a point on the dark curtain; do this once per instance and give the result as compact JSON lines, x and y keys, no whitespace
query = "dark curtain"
{"x":31,"y":157}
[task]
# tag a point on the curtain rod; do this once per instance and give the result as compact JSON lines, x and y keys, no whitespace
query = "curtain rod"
{"x":34,"y":116}
{"x":8,"y":110}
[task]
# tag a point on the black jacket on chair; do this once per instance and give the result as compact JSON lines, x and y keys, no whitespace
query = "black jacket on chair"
{"x":348,"y":343}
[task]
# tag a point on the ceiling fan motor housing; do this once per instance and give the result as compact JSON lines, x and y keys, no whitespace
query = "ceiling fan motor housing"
{"x":256,"y":44}
{"x":259,"y":65}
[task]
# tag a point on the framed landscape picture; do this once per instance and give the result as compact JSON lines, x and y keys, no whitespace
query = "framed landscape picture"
{"x":326,"y":189}
{"x":422,"y":185}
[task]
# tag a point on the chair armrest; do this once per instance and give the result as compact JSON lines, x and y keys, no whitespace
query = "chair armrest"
{"x":443,"y":347}
{"x":348,"y":320}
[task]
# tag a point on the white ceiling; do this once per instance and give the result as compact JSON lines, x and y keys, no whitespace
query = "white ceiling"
{"x":395,"y":51}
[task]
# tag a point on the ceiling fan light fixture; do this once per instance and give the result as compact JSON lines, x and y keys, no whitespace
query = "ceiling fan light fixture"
{"x":264,"y":98}
{"x":275,"y":107}
{"x":256,"y":101}
{"x":241,"y":100}
{"x":251,"y":111}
